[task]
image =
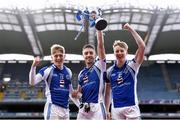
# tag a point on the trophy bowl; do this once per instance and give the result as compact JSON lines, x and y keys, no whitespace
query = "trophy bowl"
{"x":100,"y":23}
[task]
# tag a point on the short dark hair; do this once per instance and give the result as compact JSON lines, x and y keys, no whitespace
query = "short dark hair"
{"x":88,"y":46}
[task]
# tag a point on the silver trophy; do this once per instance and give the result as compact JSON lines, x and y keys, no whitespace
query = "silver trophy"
{"x":93,"y":18}
{"x":100,"y":23}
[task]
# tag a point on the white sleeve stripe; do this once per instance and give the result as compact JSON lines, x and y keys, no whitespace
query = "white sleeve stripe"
{"x":49,"y":77}
{"x":33,"y":78}
{"x":109,"y":71}
{"x":70,"y":73}
{"x":101,"y":64}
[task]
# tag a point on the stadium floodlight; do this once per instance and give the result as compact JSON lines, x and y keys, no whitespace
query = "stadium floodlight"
{"x":165,"y":57}
{"x":15,"y":57}
{"x":6,"y":78}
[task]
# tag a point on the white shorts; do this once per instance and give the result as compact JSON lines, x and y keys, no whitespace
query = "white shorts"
{"x":54,"y":112}
{"x":97,"y":112}
{"x":125,"y":113}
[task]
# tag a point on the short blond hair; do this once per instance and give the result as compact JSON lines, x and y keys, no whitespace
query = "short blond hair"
{"x":57,"y":47}
{"x":120,"y":44}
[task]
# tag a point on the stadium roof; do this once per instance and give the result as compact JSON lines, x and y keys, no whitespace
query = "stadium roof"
{"x":32,"y":31}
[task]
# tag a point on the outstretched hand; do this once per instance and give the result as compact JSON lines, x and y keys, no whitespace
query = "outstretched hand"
{"x":36,"y":61}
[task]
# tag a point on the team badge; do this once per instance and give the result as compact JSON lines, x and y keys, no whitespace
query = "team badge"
{"x":62,"y":83}
{"x":85,"y":79}
{"x":119,"y":79}
{"x":67,"y":76}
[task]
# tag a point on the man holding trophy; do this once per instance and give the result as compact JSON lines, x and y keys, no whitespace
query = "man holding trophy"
{"x":91,"y":78}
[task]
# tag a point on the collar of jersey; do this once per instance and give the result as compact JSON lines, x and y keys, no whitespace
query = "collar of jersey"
{"x":116,"y":67}
{"x":57,"y":67}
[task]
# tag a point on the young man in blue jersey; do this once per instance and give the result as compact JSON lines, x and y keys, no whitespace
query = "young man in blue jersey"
{"x":123,"y":80}
{"x":57,"y":78}
{"x":91,"y":82}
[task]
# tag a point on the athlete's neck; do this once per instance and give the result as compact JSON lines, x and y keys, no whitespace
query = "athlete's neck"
{"x":89,"y":65}
{"x":59,"y":66}
{"x":120,"y":63}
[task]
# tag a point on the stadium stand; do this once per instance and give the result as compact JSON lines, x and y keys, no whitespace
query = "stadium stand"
{"x":152,"y":91}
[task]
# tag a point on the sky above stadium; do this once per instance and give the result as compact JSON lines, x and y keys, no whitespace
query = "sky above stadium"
{"x":38,"y":4}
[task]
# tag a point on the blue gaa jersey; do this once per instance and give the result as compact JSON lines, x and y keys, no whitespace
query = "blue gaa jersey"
{"x":92,"y":83}
{"x":57,"y":84}
{"x":123,"y":83}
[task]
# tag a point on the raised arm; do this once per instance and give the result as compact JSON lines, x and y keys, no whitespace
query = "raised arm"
{"x":100,"y":46}
{"x":33,"y":78}
{"x":139,"y":56}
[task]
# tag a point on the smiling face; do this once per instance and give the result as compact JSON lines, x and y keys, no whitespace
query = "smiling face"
{"x":120,"y":53}
{"x":58,"y":55}
{"x":89,"y":55}
{"x":58,"y":58}
{"x":120,"y":50}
